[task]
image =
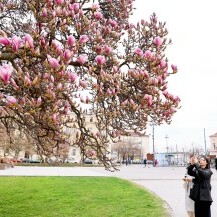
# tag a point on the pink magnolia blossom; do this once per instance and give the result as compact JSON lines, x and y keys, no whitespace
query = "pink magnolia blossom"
{"x":58,"y":11}
{"x":14,"y":84}
{"x":67,"y":54}
{"x":59,"y":2}
{"x":54,"y":13}
{"x":59,"y":86}
{"x":108,"y":92}
{"x":16,"y":43}
{"x":5,"y":41}
{"x":66,"y":108}
{"x":98,"y":49}
{"x":146,"y":74}
{"x":113,"y":23}
{"x":29,"y":40}
{"x":83,"y":83}
{"x":148,"y":54}
{"x":95,"y":6}
{"x":124,"y":103}
{"x":177,"y":99}
{"x":65,"y":12}
{"x":72,"y":76}
{"x":54,"y":117}
{"x":11,"y":100}
{"x":27,"y":81}
{"x":174,"y":68}
{"x":44,"y":12}
{"x":100,"y":59}
{"x":141,"y":73}
{"x":107,"y":49}
{"x":163,"y":64}
{"x":22,"y":101}
{"x":82,"y":59}
{"x":115,"y":69}
{"x":98,"y":15}
{"x":76,"y":7}
{"x":51,"y":85}
{"x":53,"y":62}
{"x":71,"y":40}
{"x":149,"y":100}
{"x":138,"y":51}
{"x":42,"y":42}
{"x":52,"y":78}
{"x":158,"y":41}
{"x":59,"y":50}
{"x":38,"y":103}
{"x":5,"y":72}
{"x":55,"y":43}
{"x":164,"y":76}
{"x":83,"y":39}
{"x":46,"y":76}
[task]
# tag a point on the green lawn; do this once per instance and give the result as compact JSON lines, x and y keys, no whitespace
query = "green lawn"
{"x":76,"y":197}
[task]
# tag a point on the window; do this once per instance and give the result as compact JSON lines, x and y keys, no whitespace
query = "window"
{"x":91,"y":119}
{"x":73,"y":152}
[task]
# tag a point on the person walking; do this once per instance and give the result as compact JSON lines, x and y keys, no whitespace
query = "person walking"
{"x":189,"y":203}
{"x":202,"y":187}
{"x":155,"y":162}
{"x":145,"y":162}
{"x":188,"y":184}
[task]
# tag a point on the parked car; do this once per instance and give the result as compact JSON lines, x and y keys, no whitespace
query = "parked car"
{"x":15,"y":160}
{"x":70,"y":160}
{"x":88,"y":161}
{"x":27,"y":160}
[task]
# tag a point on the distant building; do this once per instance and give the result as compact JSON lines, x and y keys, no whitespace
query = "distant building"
{"x":213,"y":145}
{"x":139,"y":142}
{"x":133,"y":144}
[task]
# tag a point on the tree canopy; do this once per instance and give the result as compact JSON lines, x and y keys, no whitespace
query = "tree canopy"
{"x":58,"y":55}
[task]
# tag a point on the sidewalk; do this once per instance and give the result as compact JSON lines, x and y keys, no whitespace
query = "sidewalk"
{"x":50,"y":171}
{"x":166,"y":182}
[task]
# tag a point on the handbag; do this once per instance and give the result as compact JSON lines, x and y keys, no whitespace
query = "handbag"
{"x":195,"y":192}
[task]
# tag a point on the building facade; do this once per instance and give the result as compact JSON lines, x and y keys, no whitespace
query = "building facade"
{"x":213,"y":144}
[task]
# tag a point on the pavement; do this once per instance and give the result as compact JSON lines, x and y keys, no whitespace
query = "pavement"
{"x":166,"y":182}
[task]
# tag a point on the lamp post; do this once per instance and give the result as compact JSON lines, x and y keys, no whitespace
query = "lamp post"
{"x":167,"y":137}
{"x":205,"y":139}
{"x":167,"y":147}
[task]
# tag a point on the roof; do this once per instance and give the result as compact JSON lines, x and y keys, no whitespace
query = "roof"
{"x":214,"y":135}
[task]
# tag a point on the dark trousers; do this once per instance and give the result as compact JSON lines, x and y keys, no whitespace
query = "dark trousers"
{"x":202,"y":209}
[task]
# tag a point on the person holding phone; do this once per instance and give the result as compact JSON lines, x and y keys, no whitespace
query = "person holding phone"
{"x":200,"y":169}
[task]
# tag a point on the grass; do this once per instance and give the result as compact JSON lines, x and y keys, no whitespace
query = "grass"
{"x":76,"y":197}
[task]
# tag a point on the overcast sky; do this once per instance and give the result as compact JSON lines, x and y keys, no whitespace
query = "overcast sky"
{"x":193,"y":30}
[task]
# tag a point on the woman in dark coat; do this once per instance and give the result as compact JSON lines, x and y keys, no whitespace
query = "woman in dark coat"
{"x":216,"y":163}
{"x":202,"y":173}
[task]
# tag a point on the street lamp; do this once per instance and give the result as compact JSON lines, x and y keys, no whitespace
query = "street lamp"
{"x":205,"y":140}
{"x":166,"y":137}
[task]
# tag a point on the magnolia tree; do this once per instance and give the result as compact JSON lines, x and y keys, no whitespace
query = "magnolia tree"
{"x":57,"y":55}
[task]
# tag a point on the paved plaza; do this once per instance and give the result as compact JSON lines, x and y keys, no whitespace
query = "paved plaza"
{"x":166,"y":182}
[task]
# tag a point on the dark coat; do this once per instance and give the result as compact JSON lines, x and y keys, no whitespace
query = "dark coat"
{"x":216,"y":163}
{"x":202,"y":180}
